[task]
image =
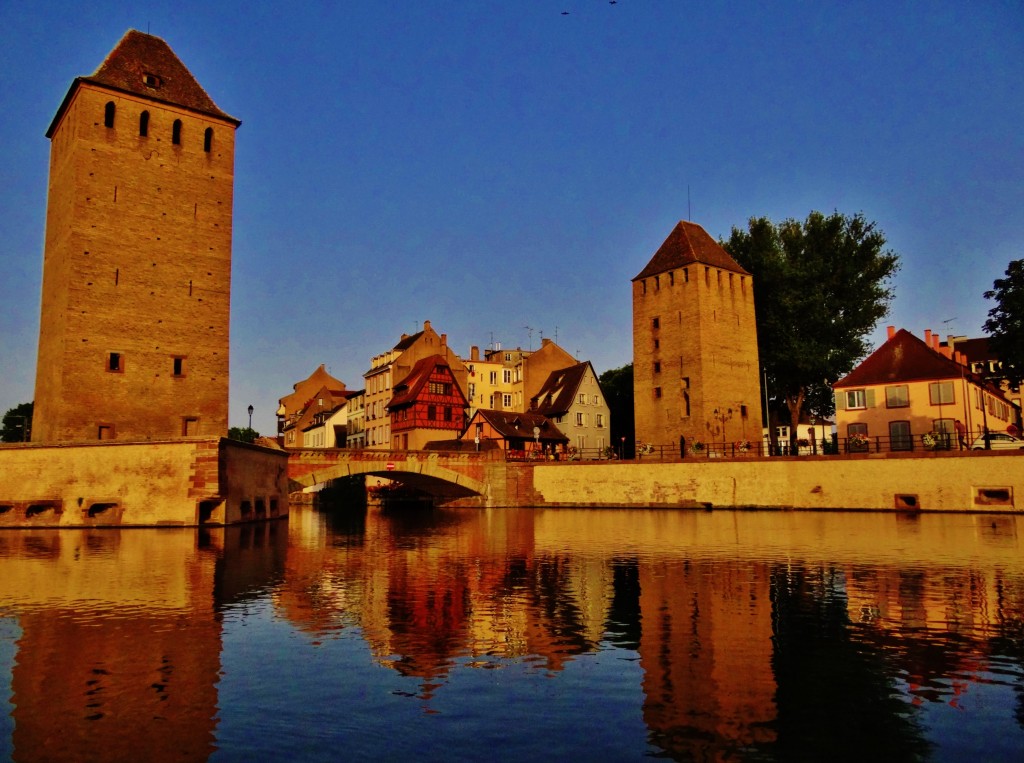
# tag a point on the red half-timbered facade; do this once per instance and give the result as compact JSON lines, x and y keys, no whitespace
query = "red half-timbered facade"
{"x":428,"y":405}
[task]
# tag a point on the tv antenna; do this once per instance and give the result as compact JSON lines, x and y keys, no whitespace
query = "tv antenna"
{"x":529,"y":332}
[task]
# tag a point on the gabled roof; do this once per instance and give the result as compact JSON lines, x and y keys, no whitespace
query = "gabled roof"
{"x":139,"y":54}
{"x":520,"y":425}
{"x":406,"y":342}
{"x":686,"y":244}
{"x":904,"y":358}
{"x":407,"y":391}
{"x":558,"y":394}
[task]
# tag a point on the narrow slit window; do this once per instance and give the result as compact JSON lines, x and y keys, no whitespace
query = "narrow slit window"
{"x":176,"y":132}
{"x":208,"y":139}
{"x":144,"y":124}
{"x":108,"y":114}
{"x":115,"y":362}
{"x":179,"y":366}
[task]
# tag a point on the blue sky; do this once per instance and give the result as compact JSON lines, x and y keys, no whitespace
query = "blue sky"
{"x":491,"y":166}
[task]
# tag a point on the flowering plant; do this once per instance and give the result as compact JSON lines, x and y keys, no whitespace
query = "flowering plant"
{"x":696,"y":447}
{"x":803,"y":442}
{"x":574,"y":453}
{"x":743,"y":445}
{"x":858,"y":440}
{"x":644,"y":448}
{"x":930,"y":439}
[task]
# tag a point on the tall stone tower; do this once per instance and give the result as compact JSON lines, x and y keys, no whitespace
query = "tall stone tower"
{"x":695,"y":367}
{"x":133,"y":341}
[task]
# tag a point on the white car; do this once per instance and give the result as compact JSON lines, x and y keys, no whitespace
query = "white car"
{"x":998,"y":441}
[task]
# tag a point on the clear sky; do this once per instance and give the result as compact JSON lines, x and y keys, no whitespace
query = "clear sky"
{"x":496,"y":165}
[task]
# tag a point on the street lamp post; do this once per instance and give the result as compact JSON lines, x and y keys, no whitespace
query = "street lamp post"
{"x":250,"y":417}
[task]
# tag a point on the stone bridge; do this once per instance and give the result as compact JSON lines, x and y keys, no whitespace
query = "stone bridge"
{"x":447,"y":476}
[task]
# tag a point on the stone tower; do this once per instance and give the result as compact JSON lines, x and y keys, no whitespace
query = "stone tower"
{"x":695,"y":367}
{"x":133,"y":341}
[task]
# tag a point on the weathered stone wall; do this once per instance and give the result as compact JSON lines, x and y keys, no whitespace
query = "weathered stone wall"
{"x":975,"y":482}
{"x":184,"y":482}
{"x":694,"y":338}
{"x":138,"y":263}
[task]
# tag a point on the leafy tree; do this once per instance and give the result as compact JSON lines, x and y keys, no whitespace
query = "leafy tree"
{"x":1005,"y":324}
{"x":820,"y":287}
{"x":243,"y":434}
{"x":17,"y":424}
{"x":617,"y":386}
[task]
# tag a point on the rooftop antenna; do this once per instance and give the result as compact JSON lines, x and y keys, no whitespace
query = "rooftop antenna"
{"x":529,"y":332}
{"x":556,"y":334}
{"x":689,"y":214}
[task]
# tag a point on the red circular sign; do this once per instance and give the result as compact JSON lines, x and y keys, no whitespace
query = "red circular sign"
{"x":391,"y":466}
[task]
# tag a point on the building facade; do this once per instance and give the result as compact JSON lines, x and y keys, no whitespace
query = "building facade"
{"x":133,"y":340}
{"x":909,"y":388}
{"x":395,"y":365}
{"x":572,"y":398}
{"x":695,"y":362}
{"x":428,"y":405}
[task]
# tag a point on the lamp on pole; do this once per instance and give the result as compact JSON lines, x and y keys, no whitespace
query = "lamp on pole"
{"x":250,"y":416}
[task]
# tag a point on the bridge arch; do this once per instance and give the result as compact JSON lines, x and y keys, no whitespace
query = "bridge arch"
{"x":425,"y":471}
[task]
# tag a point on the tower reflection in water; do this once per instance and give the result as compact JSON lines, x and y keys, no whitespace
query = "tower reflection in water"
{"x":773,"y":635}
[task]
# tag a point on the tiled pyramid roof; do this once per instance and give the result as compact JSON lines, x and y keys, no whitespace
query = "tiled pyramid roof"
{"x":139,"y":54}
{"x":686,"y":244}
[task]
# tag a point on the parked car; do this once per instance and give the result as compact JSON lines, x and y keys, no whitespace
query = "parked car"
{"x":998,"y":441}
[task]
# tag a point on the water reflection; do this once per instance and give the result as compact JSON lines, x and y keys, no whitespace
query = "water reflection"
{"x":774,"y":636}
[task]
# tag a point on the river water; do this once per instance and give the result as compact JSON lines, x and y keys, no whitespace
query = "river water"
{"x":518,"y":635}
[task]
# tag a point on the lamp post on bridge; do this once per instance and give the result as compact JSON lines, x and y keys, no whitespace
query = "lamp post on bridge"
{"x":250,"y":417}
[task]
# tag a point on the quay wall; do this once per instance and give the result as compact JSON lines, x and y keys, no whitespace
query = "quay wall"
{"x":974,"y":481}
{"x":183,"y":482}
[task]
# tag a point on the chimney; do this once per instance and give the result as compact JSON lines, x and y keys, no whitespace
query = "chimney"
{"x":474,"y":353}
{"x":545,"y":341}
{"x":928,"y":337}
{"x":890,"y":332}
{"x":426,"y":325}
{"x":444,"y":340}
{"x":935,"y":342}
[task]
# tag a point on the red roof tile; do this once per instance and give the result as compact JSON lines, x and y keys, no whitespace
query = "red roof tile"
{"x":139,"y":54}
{"x":903,"y":358}
{"x":686,"y":244}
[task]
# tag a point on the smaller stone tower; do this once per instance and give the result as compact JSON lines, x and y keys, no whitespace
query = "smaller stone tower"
{"x":133,"y":341}
{"x":695,"y":367}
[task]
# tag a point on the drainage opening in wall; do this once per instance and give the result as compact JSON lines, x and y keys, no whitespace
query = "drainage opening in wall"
{"x":907,"y":502}
{"x":98,"y":508}
{"x":35,"y":509}
{"x":993,"y":496}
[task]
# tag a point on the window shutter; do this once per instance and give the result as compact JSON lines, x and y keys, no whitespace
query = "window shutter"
{"x":840,"y":401}
{"x":869,"y":398}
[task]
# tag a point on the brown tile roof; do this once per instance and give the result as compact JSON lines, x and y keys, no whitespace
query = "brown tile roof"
{"x":686,"y":244}
{"x":139,"y":54}
{"x":408,"y":341}
{"x":556,"y":396}
{"x":903,"y":358}
{"x":511,"y":424}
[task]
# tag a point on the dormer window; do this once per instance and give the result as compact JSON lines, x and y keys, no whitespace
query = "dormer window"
{"x":151,"y":80}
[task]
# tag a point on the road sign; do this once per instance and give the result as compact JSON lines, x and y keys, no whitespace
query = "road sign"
{"x":391,"y":466}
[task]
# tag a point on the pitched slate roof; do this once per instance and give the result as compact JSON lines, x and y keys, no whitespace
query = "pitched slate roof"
{"x":903,"y":358}
{"x":139,"y":54}
{"x":558,"y":393}
{"x":686,"y":244}
{"x":511,"y":424}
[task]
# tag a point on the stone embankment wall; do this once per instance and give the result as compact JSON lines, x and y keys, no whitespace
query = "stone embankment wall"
{"x":182,"y":482}
{"x":991,"y":482}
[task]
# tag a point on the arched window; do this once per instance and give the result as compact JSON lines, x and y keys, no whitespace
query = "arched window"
{"x":176,"y":133}
{"x":108,"y":114}
{"x":144,"y":124}
{"x":208,"y":139}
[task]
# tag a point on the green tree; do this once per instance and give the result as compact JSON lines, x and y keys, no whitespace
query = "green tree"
{"x":617,"y":386}
{"x":243,"y":434}
{"x":820,"y":287}
{"x":17,"y":424}
{"x":1005,"y":324}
